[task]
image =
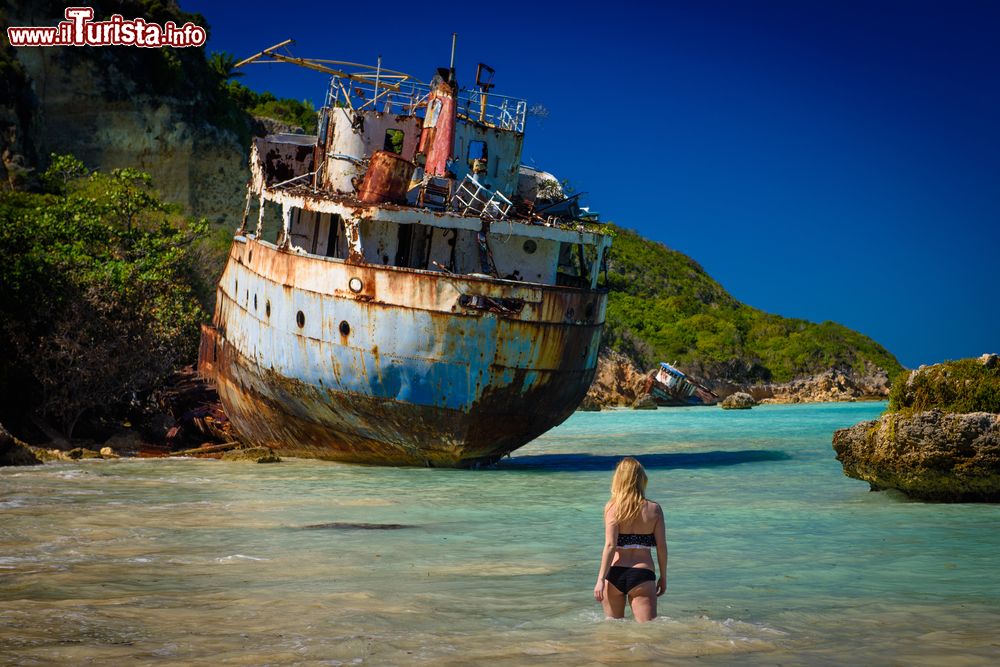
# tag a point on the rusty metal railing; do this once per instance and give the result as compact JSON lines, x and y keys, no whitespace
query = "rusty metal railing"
{"x":473,"y":198}
{"x":410,"y":97}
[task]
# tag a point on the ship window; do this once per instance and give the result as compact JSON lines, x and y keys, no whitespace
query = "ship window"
{"x":335,"y":238}
{"x":345,"y":328}
{"x":394,"y":141}
{"x":267,"y":308}
{"x":477,"y":151}
{"x":300,"y":319}
{"x":530,"y":247}
{"x":255,"y":302}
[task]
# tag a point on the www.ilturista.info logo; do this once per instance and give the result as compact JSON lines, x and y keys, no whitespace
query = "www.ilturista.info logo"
{"x":79,"y":29}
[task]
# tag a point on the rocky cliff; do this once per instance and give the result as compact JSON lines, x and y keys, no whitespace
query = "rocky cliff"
{"x":157,"y":110}
{"x":620,"y":383}
{"x":836,"y":384}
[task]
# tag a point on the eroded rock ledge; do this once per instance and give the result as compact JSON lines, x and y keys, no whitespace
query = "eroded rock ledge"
{"x":929,"y":455}
{"x":619,"y":383}
{"x":941,"y":438}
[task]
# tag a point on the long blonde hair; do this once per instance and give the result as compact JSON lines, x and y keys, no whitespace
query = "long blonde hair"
{"x":628,"y":490}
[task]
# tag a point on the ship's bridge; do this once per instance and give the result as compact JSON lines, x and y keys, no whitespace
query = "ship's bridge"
{"x":421,"y":176}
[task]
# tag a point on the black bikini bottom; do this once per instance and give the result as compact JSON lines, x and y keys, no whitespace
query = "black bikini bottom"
{"x":627,"y":578}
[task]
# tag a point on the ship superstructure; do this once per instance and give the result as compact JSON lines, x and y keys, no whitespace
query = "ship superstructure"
{"x":402,"y":290}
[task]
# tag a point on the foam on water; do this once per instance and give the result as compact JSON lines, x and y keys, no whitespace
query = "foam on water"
{"x":775,"y":556}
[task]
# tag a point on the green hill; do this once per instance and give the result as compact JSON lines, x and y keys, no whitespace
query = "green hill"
{"x":664,"y":307}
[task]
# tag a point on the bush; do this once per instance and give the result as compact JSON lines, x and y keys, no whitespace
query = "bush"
{"x":966,"y":385}
{"x":98,"y":302}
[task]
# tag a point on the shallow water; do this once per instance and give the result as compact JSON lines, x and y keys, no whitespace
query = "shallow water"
{"x":775,"y":556}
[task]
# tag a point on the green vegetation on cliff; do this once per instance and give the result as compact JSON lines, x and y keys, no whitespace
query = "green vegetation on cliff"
{"x":966,"y":385}
{"x":293,"y":112}
{"x":98,"y":303}
{"x":664,"y":307}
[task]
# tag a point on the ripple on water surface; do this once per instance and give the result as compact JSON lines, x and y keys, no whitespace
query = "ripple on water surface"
{"x":775,"y":556}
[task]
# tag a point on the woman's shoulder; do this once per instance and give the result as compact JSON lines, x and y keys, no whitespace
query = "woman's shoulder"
{"x":653,"y":506}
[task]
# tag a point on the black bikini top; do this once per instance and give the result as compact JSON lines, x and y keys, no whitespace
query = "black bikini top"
{"x":636,"y":541}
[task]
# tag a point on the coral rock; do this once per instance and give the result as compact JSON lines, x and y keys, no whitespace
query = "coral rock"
{"x":645,"y":402}
{"x":930,"y":455}
{"x":738,"y":401}
{"x":13,"y":452}
{"x":252,"y":455}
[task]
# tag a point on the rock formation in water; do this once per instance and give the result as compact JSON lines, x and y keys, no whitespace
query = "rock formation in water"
{"x":252,"y":455}
{"x":13,"y":452}
{"x":941,"y":440}
{"x":738,"y":401}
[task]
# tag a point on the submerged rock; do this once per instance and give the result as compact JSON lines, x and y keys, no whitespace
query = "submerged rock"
{"x":252,"y":455}
{"x":340,"y":525}
{"x":929,"y":455}
{"x":13,"y":452}
{"x":126,"y":441}
{"x":645,"y":402}
{"x":78,"y":453}
{"x":738,"y":401}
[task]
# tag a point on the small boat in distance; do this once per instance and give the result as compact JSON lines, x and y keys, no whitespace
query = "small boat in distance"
{"x":671,"y":386}
{"x":409,"y":293}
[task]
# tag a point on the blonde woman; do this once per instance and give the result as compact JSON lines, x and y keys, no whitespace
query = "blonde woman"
{"x":632,"y":526}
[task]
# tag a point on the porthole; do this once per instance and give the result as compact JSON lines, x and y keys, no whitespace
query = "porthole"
{"x":590,"y":311}
{"x":345,"y":328}
{"x":570,"y":313}
{"x":355,"y":284}
{"x":249,"y":256}
{"x":300,"y":319}
{"x":236,"y":290}
{"x":255,"y":302}
{"x":530,"y":246}
{"x":267,"y":308}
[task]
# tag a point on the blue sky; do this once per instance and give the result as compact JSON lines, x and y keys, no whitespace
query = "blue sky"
{"x":825,"y":160}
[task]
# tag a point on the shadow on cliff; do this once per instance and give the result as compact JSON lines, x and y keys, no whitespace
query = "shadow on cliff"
{"x":577,"y":462}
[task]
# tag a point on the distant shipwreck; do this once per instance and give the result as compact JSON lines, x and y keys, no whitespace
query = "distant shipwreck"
{"x":409,"y":294}
{"x":671,"y":386}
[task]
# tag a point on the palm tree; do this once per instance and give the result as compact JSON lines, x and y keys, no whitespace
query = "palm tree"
{"x":224,"y":65}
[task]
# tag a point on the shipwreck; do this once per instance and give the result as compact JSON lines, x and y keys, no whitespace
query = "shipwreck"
{"x":670,"y":386}
{"x":402,"y":290}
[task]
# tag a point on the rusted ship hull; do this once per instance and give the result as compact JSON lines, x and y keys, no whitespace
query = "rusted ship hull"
{"x":402,"y":371}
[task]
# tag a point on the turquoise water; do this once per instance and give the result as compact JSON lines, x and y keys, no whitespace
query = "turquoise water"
{"x":775,"y":556}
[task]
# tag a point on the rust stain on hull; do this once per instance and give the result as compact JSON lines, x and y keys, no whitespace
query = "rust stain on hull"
{"x":299,"y":419}
{"x":332,"y":360}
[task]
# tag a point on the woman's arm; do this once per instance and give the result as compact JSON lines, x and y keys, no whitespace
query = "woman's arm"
{"x":610,"y":541}
{"x":661,"y":551}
